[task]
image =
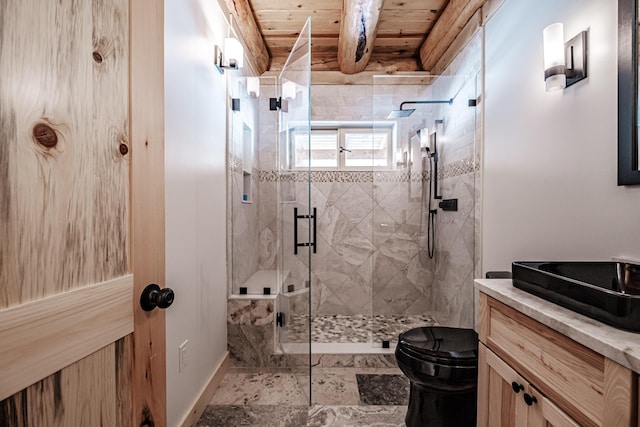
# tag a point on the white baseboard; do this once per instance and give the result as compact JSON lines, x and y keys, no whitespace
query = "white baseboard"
{"x":207,"y":393}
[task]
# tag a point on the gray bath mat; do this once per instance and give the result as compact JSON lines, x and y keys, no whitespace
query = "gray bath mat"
{"x":383,"y":389}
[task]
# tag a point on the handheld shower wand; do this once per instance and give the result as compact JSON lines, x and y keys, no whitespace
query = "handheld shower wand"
{"x":431,"y":218}
{"x":431,"y":150}
{"x":433,"y":136}
{"x":431,"y":213}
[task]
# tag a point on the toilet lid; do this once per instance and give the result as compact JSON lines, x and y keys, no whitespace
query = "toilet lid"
{"x":442,"y":342}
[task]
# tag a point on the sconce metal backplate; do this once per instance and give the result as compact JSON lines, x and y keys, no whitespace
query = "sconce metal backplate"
{"x":576,"y":58}
{"x":218,"y":59}
{"x":218,"y":56}
{"x":276,"y":104}
{"x":235,"y":104}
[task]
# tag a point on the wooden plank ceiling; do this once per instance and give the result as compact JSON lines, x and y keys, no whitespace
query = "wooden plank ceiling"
{"x":352,"y":36}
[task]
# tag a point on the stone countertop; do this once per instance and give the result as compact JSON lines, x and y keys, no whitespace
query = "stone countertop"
{"x":616,"y":344}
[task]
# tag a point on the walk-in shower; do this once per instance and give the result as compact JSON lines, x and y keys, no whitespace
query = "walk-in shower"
{"x":371,"y":277}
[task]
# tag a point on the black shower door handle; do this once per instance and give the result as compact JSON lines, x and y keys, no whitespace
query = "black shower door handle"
{"x":312,"y":243}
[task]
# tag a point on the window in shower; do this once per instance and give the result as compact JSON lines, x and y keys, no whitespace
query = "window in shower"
{"x":321,"y":151}
{"x":343,"y":148}
{"x":368,"y":148}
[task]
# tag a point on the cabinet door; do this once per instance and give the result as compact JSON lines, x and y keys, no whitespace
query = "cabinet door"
{"x":543,"y":413}
{"x":500,"y":391}
{"x":505,"y":399}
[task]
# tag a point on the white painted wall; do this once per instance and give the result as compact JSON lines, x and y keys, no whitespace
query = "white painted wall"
{"x":195,"y":140}
{"x":549,"y":185}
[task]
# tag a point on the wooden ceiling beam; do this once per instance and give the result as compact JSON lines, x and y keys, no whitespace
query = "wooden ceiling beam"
{"x":357,"y":33}
{"x":370,"y":78}
{"x":450,"y":23}
{"x":381,"y":65}
{"x":362,"y":78}
{"x":257,"y":52}
{"x":459,"y":43}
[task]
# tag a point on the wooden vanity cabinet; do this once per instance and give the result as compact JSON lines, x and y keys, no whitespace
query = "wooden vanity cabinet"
{"x":531,"y":375}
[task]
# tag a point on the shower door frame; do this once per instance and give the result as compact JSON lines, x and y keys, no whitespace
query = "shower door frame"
{"x":294,"y":118}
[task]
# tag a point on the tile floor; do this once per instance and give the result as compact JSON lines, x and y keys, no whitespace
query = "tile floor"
{"x":341,"y":397}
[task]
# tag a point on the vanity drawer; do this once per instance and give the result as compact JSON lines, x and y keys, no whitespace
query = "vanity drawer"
{"x":592,"y":389}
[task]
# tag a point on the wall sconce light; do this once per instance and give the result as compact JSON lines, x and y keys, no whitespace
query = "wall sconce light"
{"x":289,"y":90}
{"x":423,"y":134}
{"x":231,"y":56}
{"x":253,"y":86}
{"x":564,"y":63}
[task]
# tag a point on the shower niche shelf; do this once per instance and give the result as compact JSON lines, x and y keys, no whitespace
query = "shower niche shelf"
{"x":247,"y":164}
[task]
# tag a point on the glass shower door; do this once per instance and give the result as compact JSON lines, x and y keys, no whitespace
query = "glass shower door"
{"x":296,"y":216}
{"x":426,"y":253}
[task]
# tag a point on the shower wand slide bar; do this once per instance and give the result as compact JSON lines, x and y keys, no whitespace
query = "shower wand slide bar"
{"x":312,"y":243}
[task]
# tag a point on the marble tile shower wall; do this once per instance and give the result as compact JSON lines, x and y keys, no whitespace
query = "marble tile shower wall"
{"x":253,"y":227}
{"x":244,"y":227}
{"x":243,"y":221}
{"x":458,"y":233}
{"x":373,"y":230}
{"x":368,"y":259}
{"x":268,"y":226}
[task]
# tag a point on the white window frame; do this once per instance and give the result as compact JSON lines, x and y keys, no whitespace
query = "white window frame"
{"x":341,"y":129}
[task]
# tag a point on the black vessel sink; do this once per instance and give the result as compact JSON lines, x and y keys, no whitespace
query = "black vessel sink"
{"x":605,"y":291}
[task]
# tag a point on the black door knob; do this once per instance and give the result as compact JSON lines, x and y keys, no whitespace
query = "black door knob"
{"x":153,"y":297}
{"x":517,"y":387}
{"x":529,"y":400}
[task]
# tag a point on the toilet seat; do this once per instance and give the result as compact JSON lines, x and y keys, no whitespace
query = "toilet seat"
{"x":442,"y":345}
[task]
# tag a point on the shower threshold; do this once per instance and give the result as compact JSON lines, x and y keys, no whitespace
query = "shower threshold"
{"x":333,"y":348}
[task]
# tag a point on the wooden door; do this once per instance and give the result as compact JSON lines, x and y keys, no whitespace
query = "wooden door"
{"x":81,"y":212}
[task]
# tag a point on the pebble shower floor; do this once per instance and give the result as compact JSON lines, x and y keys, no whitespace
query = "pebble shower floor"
{"x":353,"y":328}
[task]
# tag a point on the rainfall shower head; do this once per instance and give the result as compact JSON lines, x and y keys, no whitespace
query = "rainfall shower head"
{"x":398,"y":114}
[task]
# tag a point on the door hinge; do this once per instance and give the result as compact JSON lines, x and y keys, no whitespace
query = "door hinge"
{"x":280,"y":319}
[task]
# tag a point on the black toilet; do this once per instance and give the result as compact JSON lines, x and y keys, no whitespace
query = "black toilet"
{"x":442,"y":366}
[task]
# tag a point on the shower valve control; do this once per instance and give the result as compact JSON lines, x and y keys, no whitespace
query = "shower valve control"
{"x":449,"y":205}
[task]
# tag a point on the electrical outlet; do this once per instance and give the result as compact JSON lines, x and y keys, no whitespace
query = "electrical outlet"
{"x":182,"y":356}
